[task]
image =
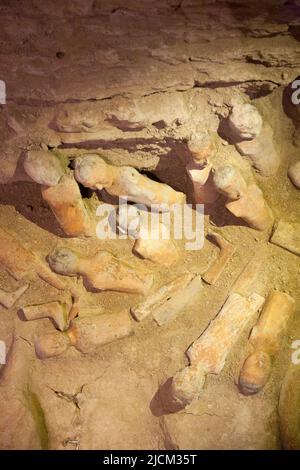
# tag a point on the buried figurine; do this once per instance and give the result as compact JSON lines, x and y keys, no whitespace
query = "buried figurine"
{"x":207,"y":355}
{"x":200,"y":170}
{"x":43,"y":167}
{"x":103,"y":271}
{"x":244,"y":122}
{"x":86,"y":334}
{"x":152,"y":237}
{"x":253,"y":138}
{"x":93,"y":172}
{"x":243,"y":201}
{"x":22,"y":263}
{"x":70,"y":210}
{"x":61,"y":192}
{"x":266,"y":340}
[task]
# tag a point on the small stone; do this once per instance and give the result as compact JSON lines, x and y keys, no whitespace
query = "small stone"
{"x":245,"y":121}
{"x":294,"y":174}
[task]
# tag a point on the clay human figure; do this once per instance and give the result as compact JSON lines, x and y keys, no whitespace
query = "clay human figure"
{"x":207,"y":355}
{"x":245,"y":122}
{"x":102,"y":271}
{"x":244,"y":201}
{"x":70,"y":210}
{"x":93,"y":172}
{"x":22,"y":263}
{"x":86,"y":333}
{"x":200,"y":169}
{"x":266,"y":339}
{"x":152,"y":237}
{"x":43,"y":167}
{"x":61,"y":192}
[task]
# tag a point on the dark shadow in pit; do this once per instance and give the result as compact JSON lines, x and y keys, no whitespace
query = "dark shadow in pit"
{"x":27,"y":200}
{"x":294,"y":30}
{"x":162,"y":402}
{"x":226,"y":133}
{"x":291,"y":110}
{"x":284,"y":13}
{"x":123,"y":125}
{"x":222,"y":217}
{"x":171,"y":167}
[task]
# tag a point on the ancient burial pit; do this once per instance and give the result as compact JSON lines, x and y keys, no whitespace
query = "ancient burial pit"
{"x":133,"y":341}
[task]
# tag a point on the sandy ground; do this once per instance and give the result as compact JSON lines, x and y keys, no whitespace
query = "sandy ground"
{"x":106,"y":401}
{"x":146,"y":77}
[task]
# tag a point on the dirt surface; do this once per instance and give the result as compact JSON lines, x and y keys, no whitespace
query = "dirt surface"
{"x":114,"y":388}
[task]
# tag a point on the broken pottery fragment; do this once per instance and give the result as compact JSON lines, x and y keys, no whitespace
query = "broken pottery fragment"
{"x":51,"y":344}
{"x":208,"y":354}
{"x":226,"y":252}
{"x":245,"y":122}
{"x":287,"y":236}
{"x":20,"y":262}
{"x":89,"y":332}
{"x":56,"y":311}
{"x":187,"y":384}
{"x":245,"y":202}
{"x":261,"y":152}
{"x":8,"y":299}
{"x":86,"y":334}
{"x":43,"y":167}
{"x":158,"y":298}
{"x":249,"y":279}
{"x":93,"y":172}
{"x":289,"y":409}
{"x":69,"y":208}
{"x":266,"y":339}
{"x":294,"y":174}
{"x":174,"y":304}
{"x":102,"y":271}
{"x":152,"y":237}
